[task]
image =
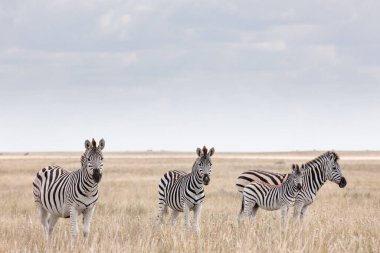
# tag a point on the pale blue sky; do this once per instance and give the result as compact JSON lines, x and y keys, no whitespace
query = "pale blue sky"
{"x":175,"y":75}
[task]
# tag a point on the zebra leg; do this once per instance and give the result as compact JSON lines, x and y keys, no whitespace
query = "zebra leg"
{"x":186,"y":215}
{"x":298,"y":204}
{"x":52,"y":221}
{"x":197,"y":214}
{"x":303,"y":212}
{"x":87,"y":215}
{"x":284,"y":213}
{"x":254,"y":211}
{"x":174,"y":218}
{"x":162,"y":209}
{"x":248,"y":208}
{"x":297,"y":210}
{"x":44,"y":219}
{"x":73,"y":220}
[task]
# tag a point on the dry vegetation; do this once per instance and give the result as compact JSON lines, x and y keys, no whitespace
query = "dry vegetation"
{"x":341,"y":220}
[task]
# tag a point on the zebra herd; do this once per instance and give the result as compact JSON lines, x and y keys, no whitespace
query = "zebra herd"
{"x":61,"y":193}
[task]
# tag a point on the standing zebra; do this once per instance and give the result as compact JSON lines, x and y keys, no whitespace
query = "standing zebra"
{"x":271,"y":197}
{"x":316,"y":173}
{"x":61,"y":193}
{"x":184,"y":192}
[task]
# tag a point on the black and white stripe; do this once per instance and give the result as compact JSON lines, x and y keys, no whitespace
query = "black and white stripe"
{"x":271,"y":197}
{"x":261,"y":176}
{"x":61,"y":193}
{"x":316,"y":173}
{"x":184,"y":192}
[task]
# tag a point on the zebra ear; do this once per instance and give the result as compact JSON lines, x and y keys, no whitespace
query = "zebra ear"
{"x":295,"y":167}
{"x":211,"y":152}
{"x":199,"y":152}
{"x":87,"y":144}
{"x":102,"y":143}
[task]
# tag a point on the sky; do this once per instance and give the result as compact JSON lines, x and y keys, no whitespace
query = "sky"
{"x":177,"y":75}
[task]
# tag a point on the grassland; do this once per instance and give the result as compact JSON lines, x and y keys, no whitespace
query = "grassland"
{"x":341,"y":220}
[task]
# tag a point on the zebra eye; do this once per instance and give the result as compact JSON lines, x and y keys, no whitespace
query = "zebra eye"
{"x":88,"y":160}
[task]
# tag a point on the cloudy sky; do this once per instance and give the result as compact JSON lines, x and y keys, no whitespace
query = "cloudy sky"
{"x":174,"y":75}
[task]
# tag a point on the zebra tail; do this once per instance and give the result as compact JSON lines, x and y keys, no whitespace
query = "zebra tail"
{"x":242,"y":205}
{"x":36,"y":189}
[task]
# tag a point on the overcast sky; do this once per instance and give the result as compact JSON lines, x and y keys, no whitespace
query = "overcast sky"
{"x":175,"y":75}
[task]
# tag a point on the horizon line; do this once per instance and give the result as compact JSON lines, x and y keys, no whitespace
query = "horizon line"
{"x":193,"y":151}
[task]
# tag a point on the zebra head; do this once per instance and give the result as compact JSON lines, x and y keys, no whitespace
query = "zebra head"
{"x":92,"y":159}
{"x":297,"y":174}
{"x":203,"y":163}
{"x":333,"y":171}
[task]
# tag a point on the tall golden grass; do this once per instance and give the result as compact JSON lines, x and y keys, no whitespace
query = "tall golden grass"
{"x":340,"y":220}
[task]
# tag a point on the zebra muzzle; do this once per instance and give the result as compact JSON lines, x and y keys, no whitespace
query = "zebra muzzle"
{"x":97,"y":175}
{"x":299,"y":187}
{"x":342,"y":183}
{"x":206,"y":179}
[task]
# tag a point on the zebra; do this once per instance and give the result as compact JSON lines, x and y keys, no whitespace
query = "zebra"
{"x":63,"y":194}
{"x":184,"y":192}
{"x":271,"y":197}
{"x":316,"y":173}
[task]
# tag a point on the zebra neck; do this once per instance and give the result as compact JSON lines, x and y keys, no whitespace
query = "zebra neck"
{"x":196,"y":181}
{"x":316,"y":173}
{"x":289,"y":187}
{"x":88,"y":185}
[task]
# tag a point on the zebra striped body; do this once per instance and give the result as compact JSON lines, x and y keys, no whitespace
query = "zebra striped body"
{"x":271,"y":197}
{"x":185,"y":192}
{"x":57,"y":189}
{"x":315,"y":174}
{"x":63,"y":194}
{"x":177,"y":181}
{"x":260,"y":176}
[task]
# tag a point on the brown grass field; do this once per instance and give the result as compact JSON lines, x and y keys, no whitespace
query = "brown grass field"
{"x":340,"y":220}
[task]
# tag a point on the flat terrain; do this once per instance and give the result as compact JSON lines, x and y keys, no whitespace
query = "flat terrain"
{"x":340,"y":220}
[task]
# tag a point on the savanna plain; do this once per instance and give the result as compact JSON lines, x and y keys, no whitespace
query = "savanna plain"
{"x":340,"y":220}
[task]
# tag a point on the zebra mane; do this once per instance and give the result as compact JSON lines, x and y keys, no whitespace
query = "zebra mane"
{"x":334,"y":155}
{"x":328,"y":154}
{"x":82,"y":160}
{"x":204,"y":151}
{"x":93,"y":143}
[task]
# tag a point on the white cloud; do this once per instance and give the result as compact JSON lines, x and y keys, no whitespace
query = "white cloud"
{"x":113,"y":22}
{"x":19,"y":53}
{"x":324,"y":54}
{"x":271,"y":45}
{"x":266,"y":46}
{"x":143,"y":7}
{"x":372,"y":71}
{"x":105,"y":20}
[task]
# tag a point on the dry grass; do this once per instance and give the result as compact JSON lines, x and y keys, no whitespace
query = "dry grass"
{"x":341,"y":220}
